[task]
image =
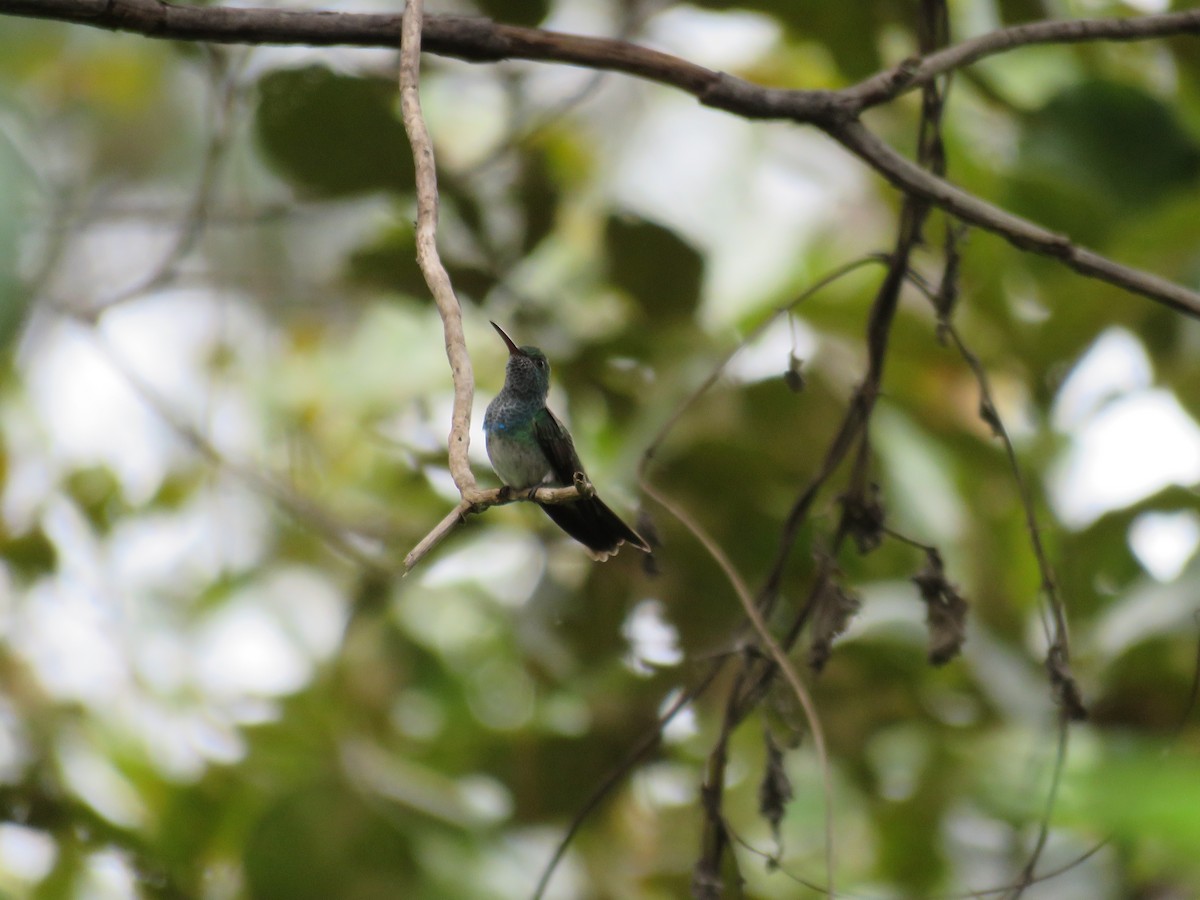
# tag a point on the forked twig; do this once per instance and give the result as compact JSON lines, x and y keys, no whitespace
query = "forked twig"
{"x":783,"y":665}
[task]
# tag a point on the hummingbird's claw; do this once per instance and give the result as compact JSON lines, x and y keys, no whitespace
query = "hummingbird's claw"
{"x":585,"y":487}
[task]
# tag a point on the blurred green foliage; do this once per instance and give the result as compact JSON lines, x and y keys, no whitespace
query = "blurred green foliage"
{"x":332,"y":134}
{"x":1083,"y":158}
{"x":204,"y":694}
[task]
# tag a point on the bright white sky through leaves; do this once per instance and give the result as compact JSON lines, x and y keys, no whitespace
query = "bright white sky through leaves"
{"x":1128,"y":440}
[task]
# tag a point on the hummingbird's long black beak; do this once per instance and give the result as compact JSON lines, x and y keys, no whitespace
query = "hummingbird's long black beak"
{"x":513,"y":349}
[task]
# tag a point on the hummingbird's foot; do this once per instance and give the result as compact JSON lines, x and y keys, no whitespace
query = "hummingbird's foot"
{"x":506,"y":493}
{"x":585,"y":487}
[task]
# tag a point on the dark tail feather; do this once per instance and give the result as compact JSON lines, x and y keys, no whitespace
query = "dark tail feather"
{"x":595,"y":526}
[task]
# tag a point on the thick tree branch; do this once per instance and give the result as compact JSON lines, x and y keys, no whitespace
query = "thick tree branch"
{"x":480,"y":40}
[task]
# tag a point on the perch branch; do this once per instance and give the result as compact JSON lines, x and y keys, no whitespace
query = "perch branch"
{"x":485,"y":499}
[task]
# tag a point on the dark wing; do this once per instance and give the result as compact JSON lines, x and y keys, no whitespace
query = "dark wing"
{"x":556,"y":443}
{"x":588,"y":520}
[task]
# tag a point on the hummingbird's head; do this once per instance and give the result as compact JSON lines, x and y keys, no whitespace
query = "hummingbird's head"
{"x":528,"y":371}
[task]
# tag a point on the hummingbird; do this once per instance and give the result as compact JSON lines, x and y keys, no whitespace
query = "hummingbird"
{"x":530,"y":448}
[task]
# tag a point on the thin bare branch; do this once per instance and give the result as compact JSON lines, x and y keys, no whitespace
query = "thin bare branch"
{"x":854,"y":423}
{"x":1021,"y":233}
{"x":195,"y":218}
{"x":636,"y":754}
{"x":913,"y":73}
{"x":776,"y":866}
{"x":1060,"y":761}
{"x":672,"y":420}
{"x":427,"y":253}
{"x":1058,"y":656}
{"x":776,"y":653}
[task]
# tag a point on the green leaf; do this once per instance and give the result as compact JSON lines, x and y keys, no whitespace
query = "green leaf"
{"x":326,"y":842}
{"x":30,"y":554}
{"x":97,"y":491}
{"x":845,"y":30}
{"x":539,"y":197}
{"x":1138,"y":793}
{"x":332,"y":134}
{"x":14,"y":296}
{"x":515,"y":12}
{"x":655,"y":266}
{"x":1014,"y":11}
{"x":1110,"y":141}
{"x":26,"y":47}
{"x":388,"y":261}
